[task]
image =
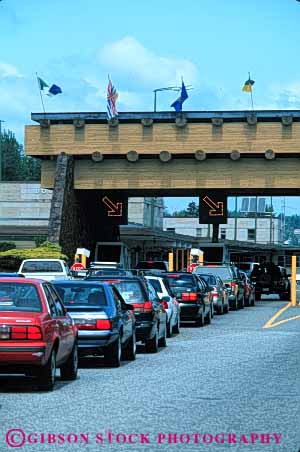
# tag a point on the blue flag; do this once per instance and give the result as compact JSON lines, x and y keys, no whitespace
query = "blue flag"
{"x":53,"y":90}
{"x":179,"y":101}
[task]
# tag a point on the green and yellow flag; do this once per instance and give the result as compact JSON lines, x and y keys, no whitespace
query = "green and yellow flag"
{"x":248,"y":85}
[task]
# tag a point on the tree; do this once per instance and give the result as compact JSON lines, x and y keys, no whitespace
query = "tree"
{"x":15,"y":165}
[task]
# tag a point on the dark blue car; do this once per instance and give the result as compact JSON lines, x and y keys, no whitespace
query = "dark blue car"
{"x":106,"y":324}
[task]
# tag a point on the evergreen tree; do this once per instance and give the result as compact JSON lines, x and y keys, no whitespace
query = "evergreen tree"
{"x":15,"y":165}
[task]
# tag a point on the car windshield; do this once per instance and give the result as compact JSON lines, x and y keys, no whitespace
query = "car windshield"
{"x":223,"y":272}
{"x":19,"y":297}
{"x":42,"y":267}
{"x":181,"y":281}
{"x":90,"y":296}
{"x":131,"y":291}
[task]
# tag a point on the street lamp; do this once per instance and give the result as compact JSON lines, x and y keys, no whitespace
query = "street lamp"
{"x":168,"y":88}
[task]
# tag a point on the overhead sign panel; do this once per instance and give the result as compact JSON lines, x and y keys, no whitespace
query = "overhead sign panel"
{"x":212,"y":207}
{"x":113,"y":208}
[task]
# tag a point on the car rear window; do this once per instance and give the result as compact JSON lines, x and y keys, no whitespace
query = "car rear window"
{"x":148,"y":265}
{"x":156,"y":284}
{"x":131,"y":291}
{"x":223,"y":272}
{"x":211,"y":280}
{"x":90,"y":296}
{"x":19,"y":297}
{"x":178,"y":280}
{"x":42,"y":267}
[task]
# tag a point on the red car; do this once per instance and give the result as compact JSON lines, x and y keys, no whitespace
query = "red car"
{"x":36,"y":333}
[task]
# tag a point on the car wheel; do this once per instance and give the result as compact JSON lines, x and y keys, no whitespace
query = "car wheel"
{"x":234,"y":305}
{"x":68,"y":370}
{"x":151,"y":345}
{"x":200,"y":320}
{"x":247,"y":302}
{"x":226,"y":309}
{"x":208,"y":318}
{"x":129,"y":353}
{"x":176,"y":328}
{"x":112,"y":354}
{"x":257,"y":296}
{"x":162,"y":342}
{"x":212,"y":311}
{"x":169,"y":332}
{"x":252,"y":303}
{"x":47,"y":374}
{"x":220,"y":309}
{"x":241,"y":303}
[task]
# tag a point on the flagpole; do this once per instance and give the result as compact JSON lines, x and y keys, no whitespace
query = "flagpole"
{"x":40,"y":93}
{"x":251,"y":93}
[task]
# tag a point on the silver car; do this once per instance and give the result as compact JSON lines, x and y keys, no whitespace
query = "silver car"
{"x":219,"y":292}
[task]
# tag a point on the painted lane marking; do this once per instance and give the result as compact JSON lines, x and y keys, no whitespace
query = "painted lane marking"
{"x":271,"y":323}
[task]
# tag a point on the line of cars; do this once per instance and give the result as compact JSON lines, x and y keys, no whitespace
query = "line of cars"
{"x":45,"y":325}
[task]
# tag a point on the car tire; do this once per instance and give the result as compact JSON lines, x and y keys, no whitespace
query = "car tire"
{"x":112,"y":354}
{"x":162,"y":342}
{"x":129,"y":352}
{"x":46,"y":375}
{"x":151,"y":345}
{"x":68,"y":371}
{"x":176,"y":328}
{"x":220,"y":309}
{"x":169,"y":331}
{"x":226,"y":309}
{"x":208,"y":318}
{"x":234,"y":306}
{"x":252,"y":302}
{"x":241,"y":303}
{"x":258,"y":296}
{"x":212,"y":311}
{"x":247,"y":302}
{"x":200,"y":320}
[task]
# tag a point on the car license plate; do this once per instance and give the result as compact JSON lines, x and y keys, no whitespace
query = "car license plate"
{"x":265,"y":290}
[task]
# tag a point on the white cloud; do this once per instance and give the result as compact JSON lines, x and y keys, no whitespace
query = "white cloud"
{"x":128,"y":57}
{"x":9,"y":71}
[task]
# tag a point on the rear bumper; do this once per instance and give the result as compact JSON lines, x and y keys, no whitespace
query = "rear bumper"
{"x":190,"y":311}
{"x":22,"y":356}
{"x":144,"y":330}
{"x":95,"y":342}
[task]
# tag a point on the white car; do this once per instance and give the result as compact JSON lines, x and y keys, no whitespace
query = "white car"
{"x":47,"y":269}
{"x":171,"y":305}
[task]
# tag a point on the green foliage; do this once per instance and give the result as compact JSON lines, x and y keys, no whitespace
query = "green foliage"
{"x":191,"y":211}
{"x":4,"y":246}
{"x":11,"y":259}
{"x":15,"y":165}
{"x":39,"y":240}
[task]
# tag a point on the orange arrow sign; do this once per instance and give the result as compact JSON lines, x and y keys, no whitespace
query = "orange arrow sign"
{"x":217,"y":208}
{"x":115,"y":210}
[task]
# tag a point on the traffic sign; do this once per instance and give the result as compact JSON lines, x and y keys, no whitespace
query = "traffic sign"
{"x":77,"y":266}
{"x":212,"y":207}
{"x":114,"y":208}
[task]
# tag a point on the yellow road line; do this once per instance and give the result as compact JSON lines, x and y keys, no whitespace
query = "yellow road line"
{"x":270,"y":323}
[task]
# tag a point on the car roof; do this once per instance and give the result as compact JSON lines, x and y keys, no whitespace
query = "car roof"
{"x":113,"y":278}
{"x":79,"y":281}
{"x":23,"y":280}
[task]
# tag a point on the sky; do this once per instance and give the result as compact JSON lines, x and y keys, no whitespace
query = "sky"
{"x":143,"y":46}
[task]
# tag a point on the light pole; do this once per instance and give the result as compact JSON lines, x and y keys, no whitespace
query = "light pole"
{"x":168,"y":88}
{"x":1,"y":150}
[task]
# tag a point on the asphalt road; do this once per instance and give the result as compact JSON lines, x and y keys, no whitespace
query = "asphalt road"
{"x":230,"y":381}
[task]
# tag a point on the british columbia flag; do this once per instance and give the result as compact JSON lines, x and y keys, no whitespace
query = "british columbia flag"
{"x":112,"y":96}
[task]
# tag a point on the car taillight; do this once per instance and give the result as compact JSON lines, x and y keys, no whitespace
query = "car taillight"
{"x":85,"y":324}
{"x":103,"y":324}
{"x":164,"y":304}
{"x":32,"y":333}
{"x":214,"y":294}
{"x":189,"y":296}
{"x":233,"y":284}
{"x":18,"y":332}
{"x":148,"y":306}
